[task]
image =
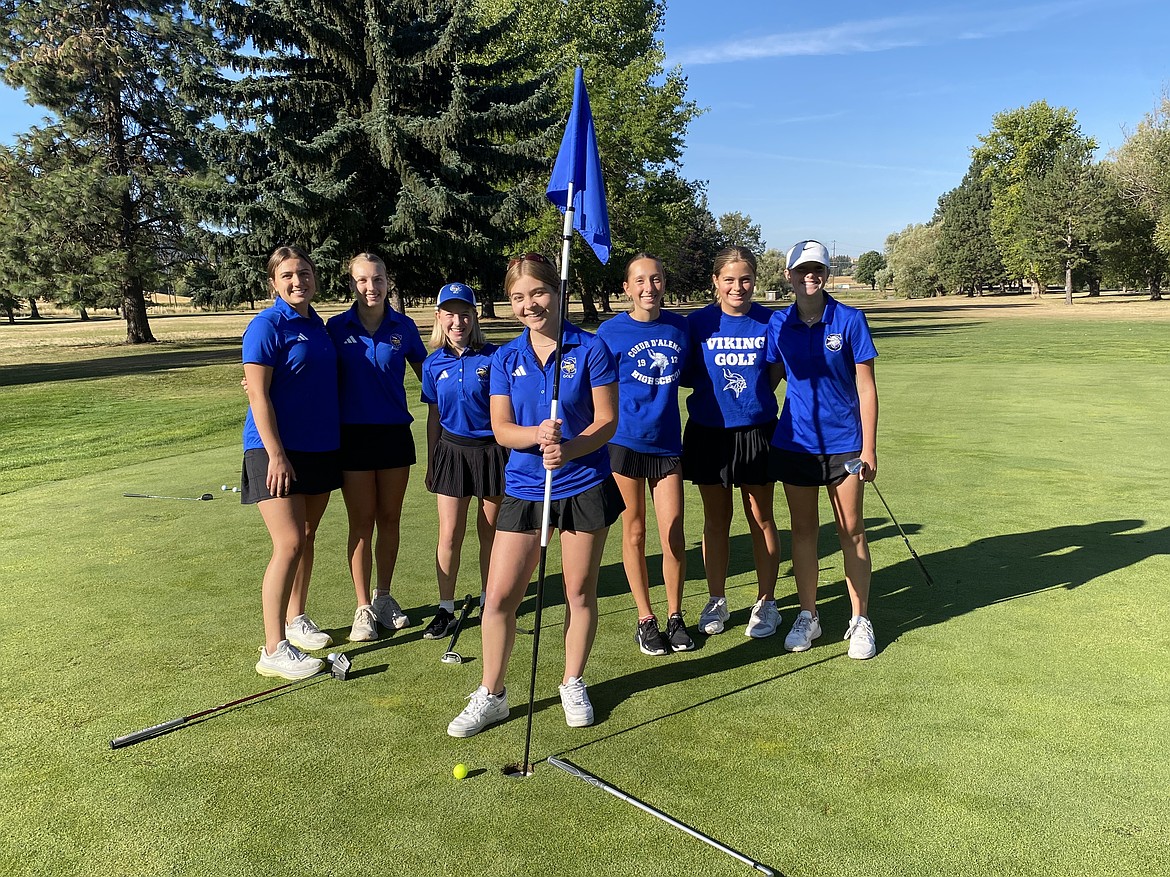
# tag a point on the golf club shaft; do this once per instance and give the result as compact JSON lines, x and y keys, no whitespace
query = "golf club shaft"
{"x":572,"y":769}
{"x":535,"y":650}
{"x":202,"y":498}
{"x":909,"y":547}
{"x":459,"y":624}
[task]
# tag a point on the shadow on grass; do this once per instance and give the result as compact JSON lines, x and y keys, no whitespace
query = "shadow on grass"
{"x":193,"y":355}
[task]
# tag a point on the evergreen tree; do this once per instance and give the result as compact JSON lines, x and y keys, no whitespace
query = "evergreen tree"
{"x":117,"y":73}
{"x":968,"y":258}
{"x":398,"y":126}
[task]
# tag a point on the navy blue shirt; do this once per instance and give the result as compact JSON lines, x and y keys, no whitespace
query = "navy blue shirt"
{"x":516,"y":373}
{"x":304,"y":378}
{"x":727,"y":368}
{"x":460,"y":386}
{"x":373,"y":367}
{"x":822,"y":413}
{"x":650,"y":359}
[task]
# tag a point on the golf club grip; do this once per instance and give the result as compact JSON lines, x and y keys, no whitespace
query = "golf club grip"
{"x":573,"y":770}
{"x":147,"y":733}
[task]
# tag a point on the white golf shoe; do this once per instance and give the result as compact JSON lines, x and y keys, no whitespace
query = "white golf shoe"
{"x":304,"y":634}
{"x":287,"y":662}
{"x":713,"y":616}
{"x":860,"y":636}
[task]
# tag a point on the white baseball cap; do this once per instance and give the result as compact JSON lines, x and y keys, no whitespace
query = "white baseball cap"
{"x":807,"y":251}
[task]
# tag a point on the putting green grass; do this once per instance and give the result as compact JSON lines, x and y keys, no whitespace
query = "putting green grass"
{"x":1014,"y":721}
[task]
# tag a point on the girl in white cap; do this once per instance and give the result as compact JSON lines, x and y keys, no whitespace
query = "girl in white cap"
{"x":829,"y":422}
{"x":463,"y":459}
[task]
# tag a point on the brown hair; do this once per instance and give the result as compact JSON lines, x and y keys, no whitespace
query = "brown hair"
{"x":638,"y":257}
{"x":280,"y":254}
{"x":729,"y":255}
{"x":532,"y":265}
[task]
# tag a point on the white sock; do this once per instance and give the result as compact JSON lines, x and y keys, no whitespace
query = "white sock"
{"x":449,"y":605}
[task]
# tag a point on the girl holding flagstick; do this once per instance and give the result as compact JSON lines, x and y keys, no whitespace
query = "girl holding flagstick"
{"x":585,"y":499}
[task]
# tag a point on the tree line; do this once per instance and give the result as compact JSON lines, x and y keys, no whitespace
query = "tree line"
{"x":1036,"y":208}
{"x":190,"y":138}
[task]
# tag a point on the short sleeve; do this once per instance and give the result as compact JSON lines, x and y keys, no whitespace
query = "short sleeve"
{"x":417,"y":351}
{"x":261,"y":343}
{"x":772,"y":345}
{"x":428,"y":385}
{"x":860,"y":340}
{"x":500,"y":384}
{"x":602,"y":365}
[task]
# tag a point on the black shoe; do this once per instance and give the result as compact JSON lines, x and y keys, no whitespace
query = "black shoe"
{"x":676,"y":634}
{"x":440,"y":625}
{"x":649,"y":638}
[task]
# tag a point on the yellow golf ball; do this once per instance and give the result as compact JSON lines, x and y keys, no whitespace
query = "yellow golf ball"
{"x":459,"y":771}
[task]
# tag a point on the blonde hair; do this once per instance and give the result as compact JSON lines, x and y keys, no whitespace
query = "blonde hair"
{"x":365,"y":257}
{"x":532,"y":265}
{"x":730,"y":255}
{"x":439,"y":335}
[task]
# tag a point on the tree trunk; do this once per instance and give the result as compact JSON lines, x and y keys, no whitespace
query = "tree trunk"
{"x":589,"y":309}
{"x":393,"y":293}
{"x":35,"y":314}
{"x":11,"y":313}
{"x":83,"y":313}
{"x":126,"y":237}
{"x":1068,"y":284}
{"x":1155,"y":287}
{"x":1094,"y":287}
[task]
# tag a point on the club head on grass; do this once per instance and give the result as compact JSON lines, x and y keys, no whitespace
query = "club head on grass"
{"x":452,"y":658}
{"x":339,"y":666}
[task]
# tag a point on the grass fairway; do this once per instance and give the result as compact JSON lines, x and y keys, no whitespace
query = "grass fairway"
{"x":1014,"y":721}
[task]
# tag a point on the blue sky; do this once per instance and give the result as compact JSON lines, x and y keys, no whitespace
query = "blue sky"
{"x":846,"y":121}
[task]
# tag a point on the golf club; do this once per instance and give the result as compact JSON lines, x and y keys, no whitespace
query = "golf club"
{"x":573,"y":770}
{"x":451,"y":656}
{"x":203,"y":498}
{"x":338,"y":668}
{"x":852,"y":467}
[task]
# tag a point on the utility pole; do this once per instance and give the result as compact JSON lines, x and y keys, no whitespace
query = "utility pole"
{"x":833,"y":260}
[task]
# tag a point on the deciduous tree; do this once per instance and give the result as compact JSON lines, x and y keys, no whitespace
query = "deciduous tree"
{"x":868,"y":265}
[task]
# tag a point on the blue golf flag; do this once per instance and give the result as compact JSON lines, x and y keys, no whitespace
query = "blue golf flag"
{"x":579,"y":163}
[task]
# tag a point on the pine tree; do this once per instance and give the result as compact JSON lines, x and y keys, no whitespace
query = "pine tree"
{"x":968,"y":258}
{"x":116,"y":73}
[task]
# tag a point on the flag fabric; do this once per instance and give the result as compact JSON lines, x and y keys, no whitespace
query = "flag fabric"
{"x":579,"y":163}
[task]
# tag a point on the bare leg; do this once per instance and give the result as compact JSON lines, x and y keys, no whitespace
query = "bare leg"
{"x":633,"y":492}
{"x":452,"y":528}
{"x":803,"y":508}
{"x":581,"y":552}
{"x":667,"y":493}
{"x":757,"y":506}
{"x":485,"y":524}
{"x":716,"y":536}
{"x":360,"y":491}
{"x":514,"y":557}
{"x":847,"y":499}
{"x":285,"y":519}
{"x":315,"y":505}
{"x":391,"y":491}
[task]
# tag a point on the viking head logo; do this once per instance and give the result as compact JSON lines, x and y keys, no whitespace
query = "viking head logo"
{"x":833,"y":342}
{"x":396,"y":342}
{"x":659,"y":361}
{"x":569,"y":367}
{"x":735,"y":382}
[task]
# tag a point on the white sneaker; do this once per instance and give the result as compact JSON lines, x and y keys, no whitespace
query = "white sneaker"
{"x":389,"y":613}
{"x":805,"y":629}
{"x":304,"y":634}
{"x":713,"y":615}
{"x":483,"y":709}
{"x":860,"y":636}
{"x":575,"y":700}
{"x":365,"y":625}
{"x":287,"y":662}
{"x":764,"y":621}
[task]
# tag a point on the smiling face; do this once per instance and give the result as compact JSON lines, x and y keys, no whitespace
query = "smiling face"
{"x":367,"y":279}
{"x":645,"y":285}
{"x":294,"y":281}
{"x":734,"y":284}
{"x":456,"y":319}
{"x":535,"y":304}
{"x":807,"y":278}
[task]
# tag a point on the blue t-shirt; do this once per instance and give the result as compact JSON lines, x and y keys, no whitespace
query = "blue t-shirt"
{"x":460,"y":386}
{"x":727,"y":368}
{"x":373,"y":367}
{"x":650,"y":359}
{"x":304,"y":378}
{"x":516,"y":373}
{"x":822,"y":414}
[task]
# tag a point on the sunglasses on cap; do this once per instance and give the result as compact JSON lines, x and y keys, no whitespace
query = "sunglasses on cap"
{"x":529,"y":257}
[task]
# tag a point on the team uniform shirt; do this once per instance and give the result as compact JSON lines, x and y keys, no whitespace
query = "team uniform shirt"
{"x":373,"y":367}
{"x":727,"y":368}
{"x":650,"y":359}
{"x":516,"y":372}
{"x":822,"y":413}
{"x":304,"y":378}
{"x":460,"y":386}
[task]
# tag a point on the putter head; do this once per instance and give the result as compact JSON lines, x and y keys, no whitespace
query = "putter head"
{"x":452,"y":658}
{"x":339,"y":666}
{"x":206,"y":497}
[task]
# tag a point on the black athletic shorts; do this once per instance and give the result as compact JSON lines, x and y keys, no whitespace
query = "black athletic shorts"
{"x":636,"y":464}
{"x":727,"y":456}
{"x":372,"y":446}
{"x":316,"y":471}
{"x":593,"y":509}
{"x":809,"y":470}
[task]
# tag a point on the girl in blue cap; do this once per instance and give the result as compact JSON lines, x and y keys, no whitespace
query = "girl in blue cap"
{"x":291,"y":461}
{"x":651,"y":347}
{"x":585,"y":500}
{"x":464,"y":461}
{"x":732,"y":413}
{"x":830,"y":418}
{"x":374,"y":345}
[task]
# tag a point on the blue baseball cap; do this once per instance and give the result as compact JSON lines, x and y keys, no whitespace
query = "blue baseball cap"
{"x":456,"y":292}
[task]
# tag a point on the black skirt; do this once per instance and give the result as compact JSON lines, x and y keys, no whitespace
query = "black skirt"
{"x":371,"y":446}
{"x":592,"y":509}
{"x":464,"y":466}
{"x":637,"y":464}
{"x":728,"y":456}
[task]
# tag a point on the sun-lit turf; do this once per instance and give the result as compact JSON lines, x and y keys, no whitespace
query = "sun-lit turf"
{"x":1014,"y":721}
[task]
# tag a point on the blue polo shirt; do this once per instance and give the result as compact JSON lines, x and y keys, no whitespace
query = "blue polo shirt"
{"x":304,"y":378}
{"x":822,"y":414}
{"x":727,"y":368}
{"x":650,"y":358}
{"x":461,"y":387}
{"x":373,"y":367}
{"x":516,"y":373}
